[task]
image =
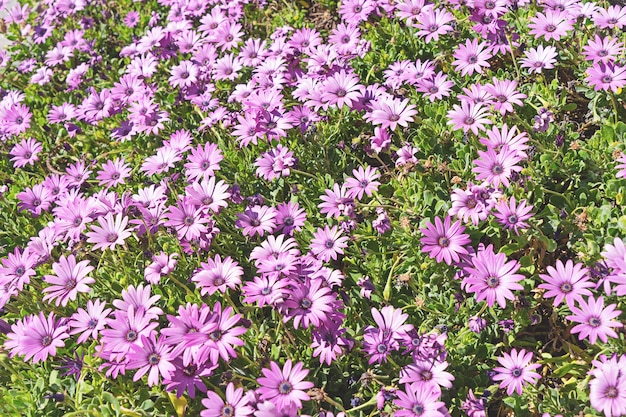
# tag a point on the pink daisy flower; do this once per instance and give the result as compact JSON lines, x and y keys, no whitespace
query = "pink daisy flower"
{"x":203,"y":162}
{"x":492,"y":278}
{"x":551,"y":25}
{"x":607,"y":391}
{"x":390,"y":112}
{"x":256,"y":220}
{"x":567,"y":281}
{"x":284,"y":387}
{"x":540,"y":58}
{"x":468,"y":117}
{"x":418,"y":400}
{"x":606,"y":77}
{"x":236,"y":404}
{"x":516,"y":371}
{"x":472,"y":57}
{"x":37,"y":337}
{"x":496,"y":168}
{"x":363,"y":182}
{"x":328,"y":243}
{"x":268,"y":289}
{"x":513,"y":216}
{"x":110,"y":232}
{"x":89,"y":322}
{"x":621,"y":166}
{"x":444,"y":241}
{"x":188,"y":220}
{"x":217,"y":275}
{"x":603,"y":50}
{"x":309,"y":303}
{"x":25,"y":152}
{"x":434,"y":22}
{"x":152,"y":357}
{"x":595,"y":321}
{"x":70,"y":279}
{"x":113,"y":173}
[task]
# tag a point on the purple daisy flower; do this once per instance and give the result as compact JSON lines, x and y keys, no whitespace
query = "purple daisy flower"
{"x":284,"y":387}
{"x":113,"y":173}
{"x":256,"y":220}
{"x":25,"y":153}
{"x":110,"y":232}
{"x":37,"y":337}
{"x":468,"y":117}
{"x":70,"y":279}
{"x":363,"y":182}
{"x":540,"y":58}
{"x":472,"y":57}
{"x":309,"y":303}
{"x":89,"y":322}
{"x":418,"y":400}
{"x":516,"y":371}
{"x":513,"y":216}
{"x":236,"y":404}
{"x":327,"y":243}
{"x":496,"y":167}
{"x":444,"y":241}
{"x":390,"y":112}
{"x":596,"y":321}
{"x":217,"y":275}
{"x":492,"y":278}
{"x":567,"y":281}
{"x":607,"y":392}
{"x":152,"y":356}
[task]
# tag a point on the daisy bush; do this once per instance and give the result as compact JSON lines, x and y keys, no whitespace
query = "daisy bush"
{"x":323,"y":208}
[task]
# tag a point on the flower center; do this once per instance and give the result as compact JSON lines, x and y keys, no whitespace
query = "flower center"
{"x":607,"y":79}
{"x":470,"y":121}
{"x":228,"y":411}
{"x":493,"y":281}
{"x":19,"y":271}
{"x":153,"y":359}
{"x":190,"y":370}
{"x":595,"y":321}
{"x":566,"y":287}
{"x":394,"y":118}
{"x":306,"y":303}
{"x":443,"y":241}
{"x":112,"y":237}
{"x":497,"y":169}
{"x":131,"y":336}
{"x":418,"y":409}
{"x":472,"y":59}
{"x":288,"y":221}
{"x":266,"y":291}
{"x":381,"y":348}
{"x":188,"y":220}
{"x":215,"y":335}
{"x":218,"y":281}
{"x":70,"y":284}
{"x":341,"y":92}
{"x":550,"y":28}
{"x":329,"y":244}
{"x":46,"y":340}
{"x":516,"y":372}
{"x":512,"y":219}
{"x":611,"y":392}
{"x":285,"y":387}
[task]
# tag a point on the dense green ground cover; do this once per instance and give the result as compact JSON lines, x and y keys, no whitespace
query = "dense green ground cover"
{"x":226,"y":208}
